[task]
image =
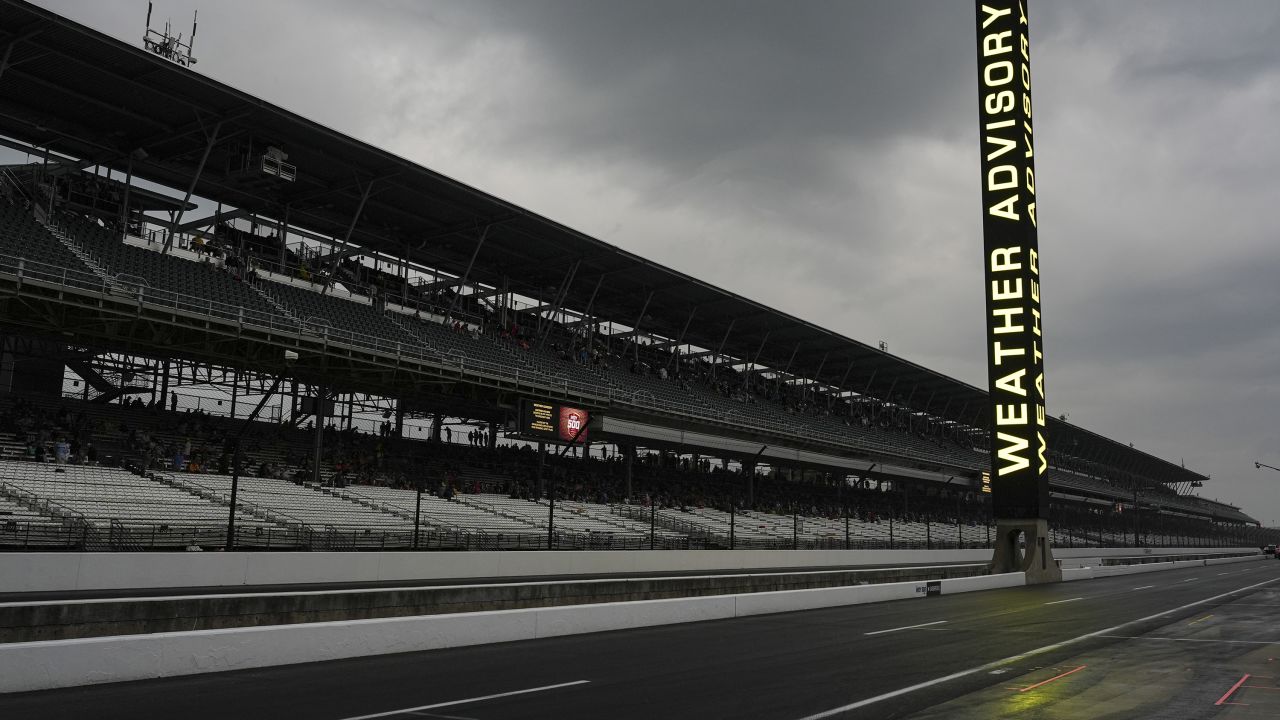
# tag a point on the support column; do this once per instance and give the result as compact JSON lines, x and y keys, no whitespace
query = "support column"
{"x":211,"y":141}
{"x":561,"y":294}
{"x":629,"y":452}
{"x":235,"y":391}
{"x":155,"y":386}
{"x":321,"y":394}
{"x":635,"y":328}
{"x":542,"y":461}
{"x":124,"y":204}
{"x":586,"y":319}
{"x":331,"y":276}
{"x":457,"y":292}
{"x":1023,"y":546}
{"x":283,"y":233}
{"x":777,"y":377}
{"x":715,"y":359}
{"x":164,"y":388}
{"x":751,"y":367}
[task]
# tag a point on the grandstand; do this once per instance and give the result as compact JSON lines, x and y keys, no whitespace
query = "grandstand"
{"x":367,"y":318}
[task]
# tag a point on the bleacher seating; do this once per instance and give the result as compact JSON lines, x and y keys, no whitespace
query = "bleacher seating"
{"x":22,"y":236}
{"x":437,"y":512}
{"x":11,"y":510}
{"x":341,"y":314}
{"x":570,"y":515}
{"x":165,"y":277}
{"x":288,"y":502}
{"x":101,"y":495}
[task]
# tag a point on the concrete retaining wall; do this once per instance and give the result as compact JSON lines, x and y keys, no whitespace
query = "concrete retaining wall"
{"x":1088,"y":573}
{"x":60,"y":619}
{"x":33,"y":572}
{"x":66,"y":663}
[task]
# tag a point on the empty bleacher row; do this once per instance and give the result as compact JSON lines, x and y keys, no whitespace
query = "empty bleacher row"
{"x":187,"y":500}
{"x":173,"y":509}
{"x":189,"y":509}
{"x":331,"y":313}
{"x":21,"y":236}
{"x":170,"y":501}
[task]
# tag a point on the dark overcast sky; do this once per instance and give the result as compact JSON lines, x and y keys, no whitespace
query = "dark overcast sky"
{"x":822,"y":157}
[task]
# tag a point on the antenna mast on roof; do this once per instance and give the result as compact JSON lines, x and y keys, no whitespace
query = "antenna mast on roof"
{"x":169,"y":46}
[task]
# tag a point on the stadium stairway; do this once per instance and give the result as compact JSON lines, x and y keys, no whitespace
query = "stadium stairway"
{"x":256,"y":287}
{"x":85,"y":258}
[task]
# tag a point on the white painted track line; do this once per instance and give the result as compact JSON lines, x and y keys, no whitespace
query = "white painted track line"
{"x":1105,"y":632}
{"x":1194,"y":640}
{"x":405,"y":711}
{"x":1059,"y":602}
{"x":908,"y":627}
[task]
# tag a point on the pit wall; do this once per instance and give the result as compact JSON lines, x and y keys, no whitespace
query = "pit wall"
{"x":64,"y":572}
{"x":66,"y":663}
{"x":1101,"y":571}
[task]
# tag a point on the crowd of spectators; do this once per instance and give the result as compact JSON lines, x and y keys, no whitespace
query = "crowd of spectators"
{"x":61,"y":436}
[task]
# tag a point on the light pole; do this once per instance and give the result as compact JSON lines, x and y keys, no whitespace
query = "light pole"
{"x":1260,"y":465}
{"x":551,"y":489}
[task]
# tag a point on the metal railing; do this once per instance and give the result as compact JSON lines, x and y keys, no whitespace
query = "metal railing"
{"x":73,"y":533}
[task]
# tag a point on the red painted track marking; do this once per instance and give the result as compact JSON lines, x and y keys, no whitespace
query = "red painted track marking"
{"x":1223,"y":700}
{"x":1055,"y":677}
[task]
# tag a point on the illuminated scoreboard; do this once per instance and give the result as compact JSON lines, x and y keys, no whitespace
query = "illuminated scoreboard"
{"x":553,"y":422}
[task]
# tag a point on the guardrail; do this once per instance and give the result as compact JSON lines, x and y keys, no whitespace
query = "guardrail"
{"x":29,"y":534}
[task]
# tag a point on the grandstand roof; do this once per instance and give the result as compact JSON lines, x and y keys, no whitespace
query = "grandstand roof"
{"x":85,"y":95}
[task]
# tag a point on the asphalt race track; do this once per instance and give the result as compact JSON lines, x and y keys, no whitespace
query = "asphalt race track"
{"x":1089,"y":649}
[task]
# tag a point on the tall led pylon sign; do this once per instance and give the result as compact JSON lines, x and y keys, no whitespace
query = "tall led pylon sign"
{"x":1011,"y":268}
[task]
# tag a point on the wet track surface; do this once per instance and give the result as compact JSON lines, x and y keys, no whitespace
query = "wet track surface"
{"x":1192,"y":643}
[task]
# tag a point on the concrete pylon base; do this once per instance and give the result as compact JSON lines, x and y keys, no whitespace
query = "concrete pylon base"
{"x":1023,"y":546}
